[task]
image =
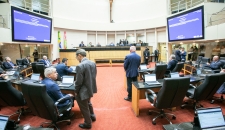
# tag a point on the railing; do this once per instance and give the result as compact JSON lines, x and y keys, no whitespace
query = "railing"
{"x":38,"y":6}
{"x":217,"y":18}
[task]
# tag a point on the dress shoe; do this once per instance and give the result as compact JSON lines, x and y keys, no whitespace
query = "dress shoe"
{"x":85,"y":126}
{"x":93,"y":117}
{"x":127,"y":98}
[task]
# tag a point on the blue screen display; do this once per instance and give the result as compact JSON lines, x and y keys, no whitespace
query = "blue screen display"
{"x":30,"y":27}
{"x":186,"y":26}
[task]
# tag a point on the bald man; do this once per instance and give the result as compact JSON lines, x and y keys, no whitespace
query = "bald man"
{"x":131,"y":63}
{"x":215,"y":64}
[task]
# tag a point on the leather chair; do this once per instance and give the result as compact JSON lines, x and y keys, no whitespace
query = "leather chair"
{"x":9,"y":96}
{"x":178,"y":67}
{"x":160,"y":70}
{"x":205,"y":60}
{"x":42,"y":105}
{"x":19,"y":62}
{"x":206,"y":90}
{"x":170,"y":95}
{"x":222,"y":58}
{"x":41,"y":69}
{"x":33,"y":65}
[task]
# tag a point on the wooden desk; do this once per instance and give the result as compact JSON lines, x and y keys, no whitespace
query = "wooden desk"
{"x":138,"y":92}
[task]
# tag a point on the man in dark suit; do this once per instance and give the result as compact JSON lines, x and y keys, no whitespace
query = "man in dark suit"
{"x":172,"y":63}
{"x":26,"y":61}
{"x":62,"y":68}
{"x":146,"y":55}
{"x":131,"y":63}
{"x":178,"y":54}
{"x":45,"y":61}
{"x":81,"y":44}
{"x":156,"y":52}
{"x":8,"y":64}
{"x":53,"y":89}
{"x":216,"y":64}
{"x":85,"y":87}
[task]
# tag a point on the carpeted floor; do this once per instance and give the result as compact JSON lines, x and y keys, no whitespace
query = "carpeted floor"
{"x":112,"y":111}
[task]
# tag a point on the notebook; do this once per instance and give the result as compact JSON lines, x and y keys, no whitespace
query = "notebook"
{"x":67,"y":81}
{"x":174,"y":75}
{"x":143,"y":67}
{"x":73,"y":67}
{"x":3,"y":122}
{"x":210,"y":118}
{"x":150,"y":79}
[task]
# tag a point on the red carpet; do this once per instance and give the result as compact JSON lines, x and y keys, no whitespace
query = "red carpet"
{"x":112,"y":111}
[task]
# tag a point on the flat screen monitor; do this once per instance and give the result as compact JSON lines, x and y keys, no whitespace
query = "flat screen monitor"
{"x":188,"y":25}
{"x":30,"y":27}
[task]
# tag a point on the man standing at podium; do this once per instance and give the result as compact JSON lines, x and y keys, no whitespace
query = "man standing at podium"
{"x":131,"y":63}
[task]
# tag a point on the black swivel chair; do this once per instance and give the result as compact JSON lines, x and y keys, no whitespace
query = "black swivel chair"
{"x":170,"y":95}
{"x":9,"y":96}
{"x":34,"y":68}
{"x":42,"y":105}
{"x":19,"y":62}
{"x":160,"y":70}
{"x":206,"y":90}
{"x":178,"y":67}
{"x":41,"y":69}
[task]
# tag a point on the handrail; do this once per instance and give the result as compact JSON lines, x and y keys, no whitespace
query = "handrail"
{"x":215,"y":14}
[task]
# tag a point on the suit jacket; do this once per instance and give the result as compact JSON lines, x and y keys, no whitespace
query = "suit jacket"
{"x":171,"y":65}
{"x":156,"y":52}
{"x":26,"y":61}
{"x":42,"y":60}
{"x":215,"y":65}
{"x":54,"y":91}
{"x":177,"y":55}
{"x":85,"y":84}
{"x":146,"y":53}
{"x":62,"y":69}
{"x":183,"y":55}
{"x":131,"y":63}
{"x":7,"y":65}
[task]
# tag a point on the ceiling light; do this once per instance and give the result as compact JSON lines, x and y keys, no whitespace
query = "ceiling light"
{"x":1,"y":43}
{"x":38,"y":44}
{"x":181,"y":42}
{"x":217,"y":41}
{"x":26,"y":45}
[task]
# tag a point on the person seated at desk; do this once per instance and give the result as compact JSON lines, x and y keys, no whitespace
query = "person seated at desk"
{"x":111,"y":44}
{"x":62,"y":68}
{"x":81,"y":44}
{"x":215,"y":64}
{"x":89,"y":44}
{"x":172,"y":63}
{"x":26,"y":61}
{"x":98,"y":45}
{"x":53,"y":89}
{"x":9,"y":64}
{"x":45,"y":61}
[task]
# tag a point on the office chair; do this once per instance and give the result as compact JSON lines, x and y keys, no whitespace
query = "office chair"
{"x":42,"y":105}
{"x":9,"y":96}
{"x":222,"y":58}
{"x":170,"y":95}
{"x":33,"y":65}
{"x":205,"y":60}
{"x":41,"y":69}
{"x":206,"y":90}
{"x":19,"y":62}
{"x":178,"y":67}
{"x":160,"y":70}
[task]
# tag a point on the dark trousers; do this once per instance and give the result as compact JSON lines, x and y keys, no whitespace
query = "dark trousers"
{"x":86,"y":109}
{"x":129,"y":85}
{"x":189,"y":56}
{"x":146,"y":61}
{"x":156,"y":58}
{"x":221,"y":89}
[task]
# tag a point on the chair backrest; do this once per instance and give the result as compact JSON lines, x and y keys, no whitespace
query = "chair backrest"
{"x":160,"y":70}
{"x":178,"y":67}
{"x":223,"y":63}
{"x":222,"y":58}
{"x":9,"y":96}
{"x":205,"y":60}
{"x":209,"y":87}
{"x":40,"y":103}
{"x":199,"y":59}
{"x":19,"y":62}
{"x":34,"y":68}
{"x":172,"y":92}
{"x":41,"y":69}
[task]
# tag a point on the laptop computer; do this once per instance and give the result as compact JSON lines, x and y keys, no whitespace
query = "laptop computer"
{"x":150,"y":79}
{"x":67,"y":81}
{"x":73,"y":67}
{"x":3,"y":121}
{"x":174,"y":75}
{"x":35,"y":77}
{"x":211,"y":118}
{"x":143,"y":67}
